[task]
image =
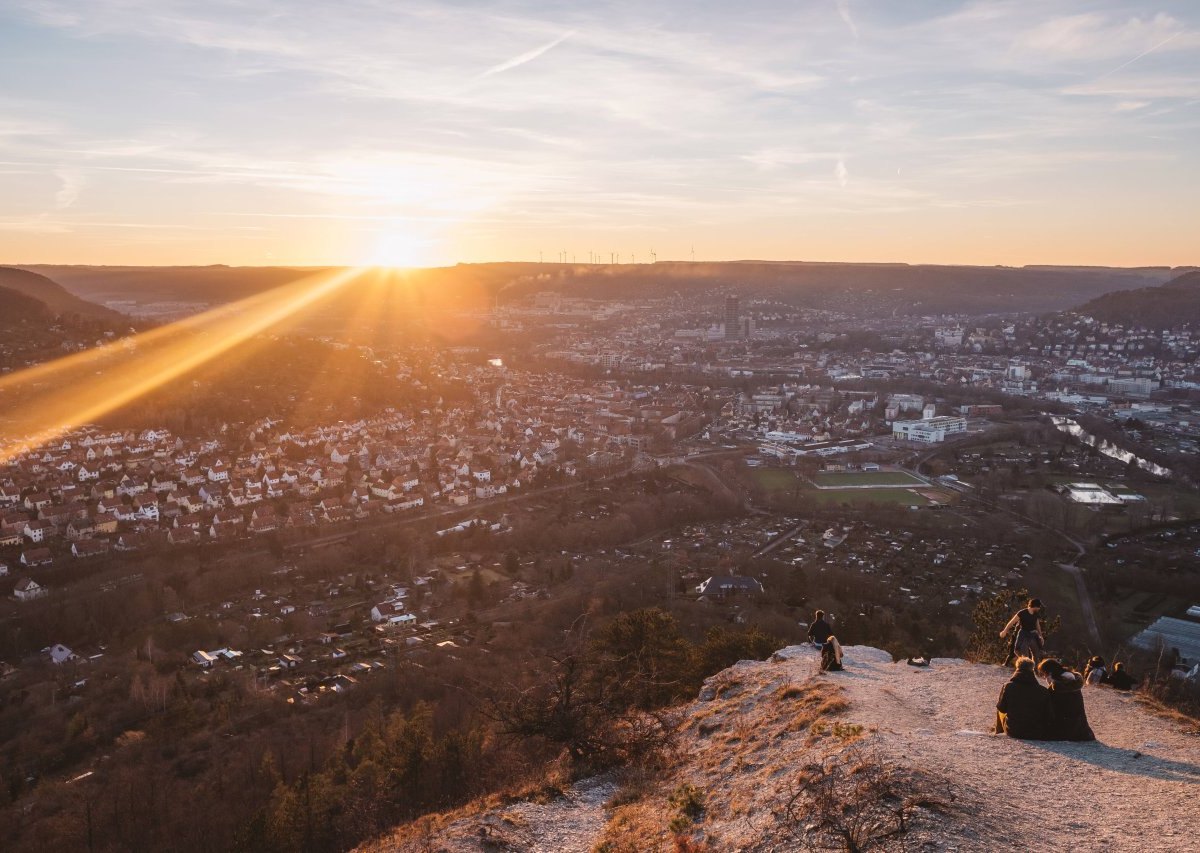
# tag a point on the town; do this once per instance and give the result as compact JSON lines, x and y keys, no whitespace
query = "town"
{"x":735,"y":461}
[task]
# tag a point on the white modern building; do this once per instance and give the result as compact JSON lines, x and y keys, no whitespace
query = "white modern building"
{"x":929,"y":430}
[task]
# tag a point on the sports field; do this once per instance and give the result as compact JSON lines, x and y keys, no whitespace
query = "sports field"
{"x":847,"y":479}
{"x":781,"y":483}
{"x":773,"y":479}
{"x":898,"y":497}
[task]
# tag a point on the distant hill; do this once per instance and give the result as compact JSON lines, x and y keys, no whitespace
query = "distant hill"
{"x":57,"y":299}
{"x":206,"y":285}
{"x":854,"y":288}
{"x":1172,"y":304}
{"x":865,"y":289}
{"x":17,"y":309}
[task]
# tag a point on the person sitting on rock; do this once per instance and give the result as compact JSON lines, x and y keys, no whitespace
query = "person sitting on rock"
{"x":819,"y":631}
{"x":1066,"y":700}
{"x":1023,"y":709}
{"x":1095,"y":673}
{"x":1120,"y":678}
{"x":831,"y":655}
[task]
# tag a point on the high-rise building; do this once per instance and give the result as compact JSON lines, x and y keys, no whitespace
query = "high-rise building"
{"x":733,"y":326}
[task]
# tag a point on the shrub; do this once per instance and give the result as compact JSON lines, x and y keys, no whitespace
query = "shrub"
{"x":854,"y":801}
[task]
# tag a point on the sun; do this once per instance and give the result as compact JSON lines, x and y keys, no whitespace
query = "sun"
{"x":397,"y":249}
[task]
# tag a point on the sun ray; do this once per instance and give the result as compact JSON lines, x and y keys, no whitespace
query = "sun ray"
{"x":46,"y":401}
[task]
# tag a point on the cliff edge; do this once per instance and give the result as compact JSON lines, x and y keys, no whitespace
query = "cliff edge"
{"x":774,"y":756}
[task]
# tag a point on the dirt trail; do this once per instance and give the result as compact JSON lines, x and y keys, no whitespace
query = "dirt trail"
{"x":1137,"y":787}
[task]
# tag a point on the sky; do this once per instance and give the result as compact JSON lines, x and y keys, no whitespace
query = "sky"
{"x":414,"y":132}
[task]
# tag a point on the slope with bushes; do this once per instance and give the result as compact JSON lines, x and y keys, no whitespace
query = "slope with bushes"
{"x":774,"y":756}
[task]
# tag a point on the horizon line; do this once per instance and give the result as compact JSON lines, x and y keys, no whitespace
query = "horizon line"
{"x":553,"y":263}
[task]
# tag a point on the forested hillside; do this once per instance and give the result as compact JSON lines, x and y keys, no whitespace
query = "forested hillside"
{"x":1164,"y":307}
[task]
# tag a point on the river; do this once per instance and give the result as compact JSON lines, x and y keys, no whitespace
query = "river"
{"x":1109,"y":449}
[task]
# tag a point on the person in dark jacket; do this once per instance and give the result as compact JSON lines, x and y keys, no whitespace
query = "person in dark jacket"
{"x":819,"y":631}
{"x":1120,"y":678}
{"x":1066,"y":702}
{"x":1023,"y":709}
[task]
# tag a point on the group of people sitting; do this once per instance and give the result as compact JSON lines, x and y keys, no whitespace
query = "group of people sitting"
{"x":1097,"y":672}
{"x":1028,"y":710}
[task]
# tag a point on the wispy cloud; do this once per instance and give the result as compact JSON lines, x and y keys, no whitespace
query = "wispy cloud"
{"x":843,"y":7}
{"x":841,"y":172}
{"x":528,"y":56}
{"x":72,"y":182}
{"x":963,"y":104}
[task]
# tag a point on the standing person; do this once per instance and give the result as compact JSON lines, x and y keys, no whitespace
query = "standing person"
{"x":819,"y":631}
{"x":1027,"y":622}
{"x":1023,"y":709}
{"x":1066,"y":701}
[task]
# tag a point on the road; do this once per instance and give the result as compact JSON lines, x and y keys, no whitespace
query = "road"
{"x":402,"y":519}
{"x":406,"y":518}
{"x":777,"y":541}
{"x":1085,"y":603}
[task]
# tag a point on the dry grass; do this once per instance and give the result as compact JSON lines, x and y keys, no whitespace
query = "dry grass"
{"x":812,"y":701}
{"x":417,"y":834}
{"x":738,"y":746}
{"x":1190,"y":724}
{"x":636,"y":828}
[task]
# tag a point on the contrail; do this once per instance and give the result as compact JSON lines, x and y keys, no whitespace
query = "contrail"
{"x":1139,"y":56}
{"x":528,"y":56}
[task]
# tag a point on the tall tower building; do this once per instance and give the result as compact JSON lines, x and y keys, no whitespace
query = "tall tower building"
{"x":733,"y":325}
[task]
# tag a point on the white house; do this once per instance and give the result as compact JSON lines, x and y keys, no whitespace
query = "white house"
{"x":385,"y":610}
{"x":59,"y":654}
{"x":28,"y":589}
